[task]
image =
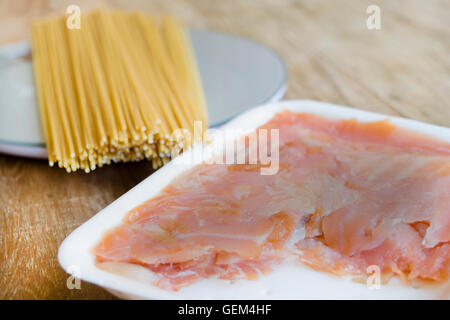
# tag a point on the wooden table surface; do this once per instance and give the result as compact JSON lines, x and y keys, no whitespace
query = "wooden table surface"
{"x":402,"y":69}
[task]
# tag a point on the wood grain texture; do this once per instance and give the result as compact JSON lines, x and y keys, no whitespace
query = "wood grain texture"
{"x":402,"y":69}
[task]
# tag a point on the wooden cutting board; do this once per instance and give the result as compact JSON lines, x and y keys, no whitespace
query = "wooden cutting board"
{"x":402,"y":69}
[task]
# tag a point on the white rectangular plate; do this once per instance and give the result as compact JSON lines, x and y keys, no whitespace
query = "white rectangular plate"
{"x":286,"y":282}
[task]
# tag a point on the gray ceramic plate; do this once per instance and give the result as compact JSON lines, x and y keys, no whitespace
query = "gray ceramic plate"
{"x":237,"y":74}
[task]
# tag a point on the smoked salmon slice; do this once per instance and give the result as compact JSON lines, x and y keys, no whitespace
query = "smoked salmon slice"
{"x":347,"y":195}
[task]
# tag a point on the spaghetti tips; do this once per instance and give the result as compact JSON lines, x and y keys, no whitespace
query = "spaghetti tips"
{"x":115,"y":89}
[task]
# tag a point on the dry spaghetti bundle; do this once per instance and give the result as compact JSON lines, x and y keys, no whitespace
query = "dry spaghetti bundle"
{"x":115,"y":89}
